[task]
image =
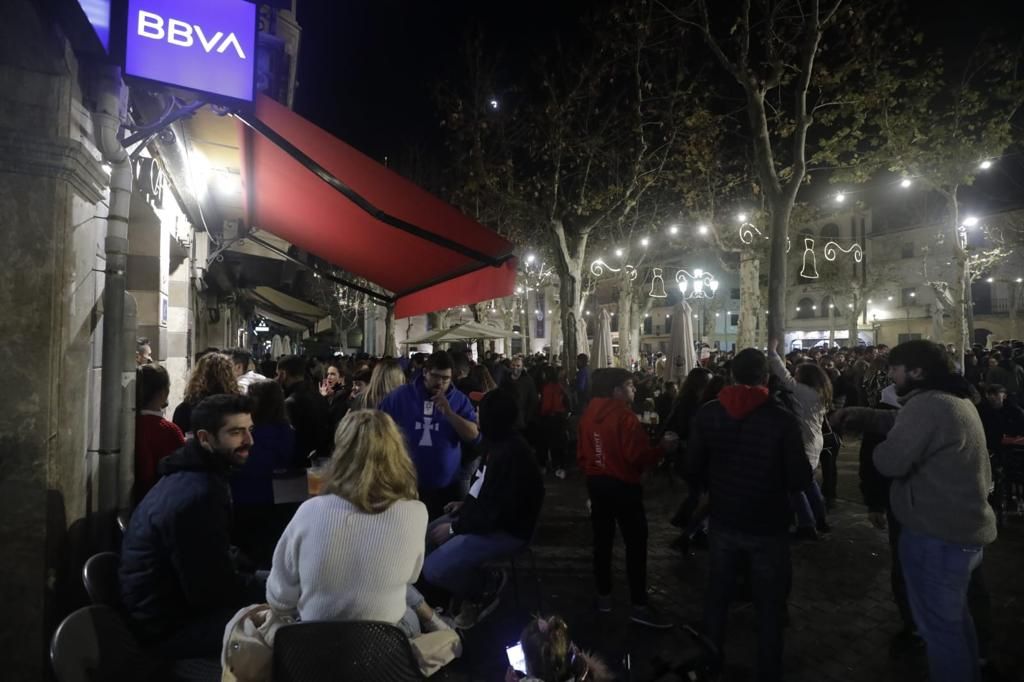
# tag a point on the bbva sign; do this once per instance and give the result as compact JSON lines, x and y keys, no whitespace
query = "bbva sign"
{"x":184,"y":34}
{"x":203,"y":45}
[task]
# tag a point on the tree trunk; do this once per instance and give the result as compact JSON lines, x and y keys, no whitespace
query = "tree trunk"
{"x":831,"y":325}
{"x":569,"y":267}
{"x":1015,"y":290}
{"x":958,"y":288}
{"x":780,"y":211}
{"x":627,"y":330}
{"x":852,"y":326}
{"x":525,"y":314}
{"x":750,"y":299}
{"x":389,"y":331}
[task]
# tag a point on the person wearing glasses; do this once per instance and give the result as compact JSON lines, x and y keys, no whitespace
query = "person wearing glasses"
{"x":436,"y":419}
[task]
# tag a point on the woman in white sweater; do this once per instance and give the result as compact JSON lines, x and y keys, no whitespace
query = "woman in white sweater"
{"x":354,"y":552}
{"x":811,"y":393}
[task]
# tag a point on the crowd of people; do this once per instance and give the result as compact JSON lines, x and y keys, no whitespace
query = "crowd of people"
{"x":436,"y":465}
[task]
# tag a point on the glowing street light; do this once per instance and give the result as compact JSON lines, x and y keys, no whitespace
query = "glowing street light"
{"x":530,"y":258}
{"x":990,"y":280}
{"x":673,"y":229}
{"x":742,"y":217}
{"x":1019,"y":280}
{"x":618,"y":253}
{"x":840,"y":197}
{"x":905,"y":183}
{"x":703,"y":229}
{"x":985,"y":165}
{"x":890,"y":298}
{"x":645,"y":242}
{"x":971,"y":221}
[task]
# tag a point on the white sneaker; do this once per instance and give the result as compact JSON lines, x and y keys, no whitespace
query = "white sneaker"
{"x":560,"y":473}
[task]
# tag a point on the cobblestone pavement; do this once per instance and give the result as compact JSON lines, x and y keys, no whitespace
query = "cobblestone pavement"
{"x":841,"y":613}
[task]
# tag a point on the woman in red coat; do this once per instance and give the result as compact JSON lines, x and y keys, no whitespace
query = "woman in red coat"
{"x":155,"y":437}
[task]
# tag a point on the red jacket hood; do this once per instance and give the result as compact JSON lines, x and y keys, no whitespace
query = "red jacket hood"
{"x":740,"y":400}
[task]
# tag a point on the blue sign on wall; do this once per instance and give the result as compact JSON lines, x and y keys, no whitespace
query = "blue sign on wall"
{"x":98,"y":14}
{"x":205,"y":45}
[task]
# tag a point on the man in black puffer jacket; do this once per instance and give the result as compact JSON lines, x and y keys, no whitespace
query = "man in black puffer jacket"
{"x":747,"y":449}
{"x":179,"y":584}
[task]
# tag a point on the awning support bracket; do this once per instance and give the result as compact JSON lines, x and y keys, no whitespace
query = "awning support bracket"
{"x":276,"y":138}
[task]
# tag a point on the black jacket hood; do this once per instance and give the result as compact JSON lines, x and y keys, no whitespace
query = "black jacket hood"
{"x":192,"y":457}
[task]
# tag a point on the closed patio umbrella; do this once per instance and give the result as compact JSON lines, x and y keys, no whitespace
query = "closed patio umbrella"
{"x":603,"y":356}
{"x":681,"y":355}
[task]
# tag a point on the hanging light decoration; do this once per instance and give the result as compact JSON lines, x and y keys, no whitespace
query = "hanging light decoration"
{"x":810,"y":272}
{"x":657,"y":284}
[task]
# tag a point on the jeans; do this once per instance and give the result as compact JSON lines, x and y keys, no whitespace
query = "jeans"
{"x":615,"y":502}
{"x":809,"y":506}
{"x":899,"y":585}
{"x":456,"y":566}
{"x":770,"y":579}
{"x":937,"y":574}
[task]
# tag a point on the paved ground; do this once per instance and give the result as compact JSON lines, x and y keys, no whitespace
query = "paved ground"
{"x":841,"y":613}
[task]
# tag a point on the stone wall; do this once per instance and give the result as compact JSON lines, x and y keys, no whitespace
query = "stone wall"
{"x":52,"y":205}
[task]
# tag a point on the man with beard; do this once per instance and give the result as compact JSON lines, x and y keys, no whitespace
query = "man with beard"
{"x":935,"y":453}
{"x":436,"y":419}
{"x":179,"y":585}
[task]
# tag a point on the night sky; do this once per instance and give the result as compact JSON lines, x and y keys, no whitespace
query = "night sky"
{"x":368,"y":68}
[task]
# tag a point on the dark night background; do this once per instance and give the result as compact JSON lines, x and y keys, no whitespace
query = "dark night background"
{"x":368,"y":69}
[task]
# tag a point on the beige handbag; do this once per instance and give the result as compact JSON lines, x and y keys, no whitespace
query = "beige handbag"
{"x":248,"y":653}
{"x":434,"y":650}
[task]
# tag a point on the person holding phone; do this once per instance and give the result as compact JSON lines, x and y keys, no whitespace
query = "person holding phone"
{"x":546,"y":653}
{"x":436,"y":418}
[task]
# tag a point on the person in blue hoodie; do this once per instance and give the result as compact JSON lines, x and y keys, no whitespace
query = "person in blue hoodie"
{"x":436,"y":419}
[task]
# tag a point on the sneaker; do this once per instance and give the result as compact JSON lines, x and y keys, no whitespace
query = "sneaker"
{"x":560,"y":474}
{"x":438,"y":623}
{"x":604,"y":603}
{"x":475,"y":610}
{"x":650,"y":617}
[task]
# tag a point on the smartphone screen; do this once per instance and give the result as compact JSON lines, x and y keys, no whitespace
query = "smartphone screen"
{"x":516,"y":657}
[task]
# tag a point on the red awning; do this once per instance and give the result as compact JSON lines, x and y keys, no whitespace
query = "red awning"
{"x":306,"y":186}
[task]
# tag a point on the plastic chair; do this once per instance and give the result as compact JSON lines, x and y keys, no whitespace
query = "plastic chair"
{"x":329,"y":651}
{"x":93,"y":643}
{"x":100,"y":577}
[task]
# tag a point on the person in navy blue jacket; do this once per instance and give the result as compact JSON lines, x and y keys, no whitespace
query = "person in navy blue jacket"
{"x":436,"y":419}
{"x":179,"y":583}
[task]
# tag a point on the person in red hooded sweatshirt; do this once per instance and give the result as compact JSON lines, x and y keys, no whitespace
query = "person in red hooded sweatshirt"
{"x":613,"y":453}
{"x":747,"y":450}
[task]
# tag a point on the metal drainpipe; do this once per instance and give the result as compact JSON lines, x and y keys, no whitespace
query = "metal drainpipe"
{"x":107,"y":122}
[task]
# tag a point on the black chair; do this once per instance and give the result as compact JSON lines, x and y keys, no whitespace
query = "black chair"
{"x":93,"y":643}
{"x":100,"y":577}
{"x":343,"y":651}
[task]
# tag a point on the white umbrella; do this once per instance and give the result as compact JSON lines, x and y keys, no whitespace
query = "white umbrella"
{"x":681,"y":355}
{"x":603,"y":356}
{"x":276,"y":348}
{"x":286,"y":345}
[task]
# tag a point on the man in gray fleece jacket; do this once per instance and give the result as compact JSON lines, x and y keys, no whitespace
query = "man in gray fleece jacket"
{"x":936,"y":455}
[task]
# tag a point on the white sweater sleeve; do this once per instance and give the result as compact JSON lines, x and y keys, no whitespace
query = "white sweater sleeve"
{"x":283,"y":587}
{"x":778,"y":368}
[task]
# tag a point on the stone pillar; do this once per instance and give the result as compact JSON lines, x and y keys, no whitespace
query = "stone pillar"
{"x":52,"y":211}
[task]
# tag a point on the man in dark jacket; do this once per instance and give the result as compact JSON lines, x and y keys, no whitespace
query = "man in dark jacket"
{"x":496,"y":518}
{"x":307,"y":411}
{"x":747,"y":448}
{"x":179,"y":585}
{"x":522,"y":387}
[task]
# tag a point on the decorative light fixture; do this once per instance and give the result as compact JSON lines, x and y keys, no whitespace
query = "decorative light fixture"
{"x":657,"y":284}
{"x":598,"y":267}
{"x":700,"y":284}
{"x":742,"y":217}
{"x":831,"y":249}
{"x":810,"y":263}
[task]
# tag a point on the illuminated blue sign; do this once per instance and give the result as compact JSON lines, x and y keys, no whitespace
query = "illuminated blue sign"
{"x":98,"y":14}
{"x":205,"y":45}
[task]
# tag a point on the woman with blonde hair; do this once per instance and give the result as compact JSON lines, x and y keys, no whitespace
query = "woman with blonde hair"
{"x":354,"y":552}
{"x":213,"y":374}
{"x":387,"y":376}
